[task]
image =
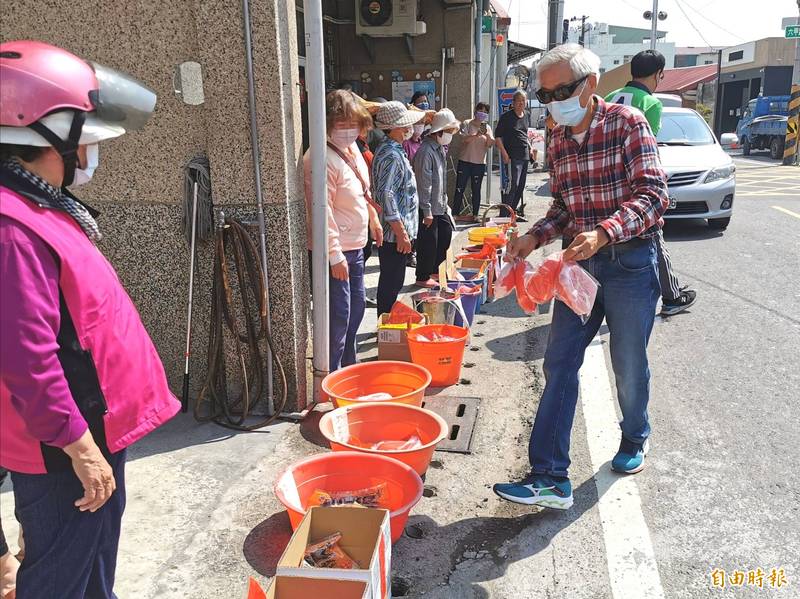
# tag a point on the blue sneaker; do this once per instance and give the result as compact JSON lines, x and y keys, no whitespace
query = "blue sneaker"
{"x":630,"y":457}
{"x":537,"y":489}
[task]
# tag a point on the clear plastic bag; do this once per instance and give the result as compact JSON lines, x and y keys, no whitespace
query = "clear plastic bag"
{"x":381,"y":396}
{"x":566,"y":281}
{"x":413,"y":442}
{"x":369,"y":497}
{"x":577,"y":288}
{"x":506,"y":281}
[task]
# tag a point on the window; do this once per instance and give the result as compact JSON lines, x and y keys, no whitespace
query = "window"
{"x":684,"y":129}
{"x":616,"y":62}
{"x":602,"y":70}
{"x":738,"y":55}
{"x":708,"y":62}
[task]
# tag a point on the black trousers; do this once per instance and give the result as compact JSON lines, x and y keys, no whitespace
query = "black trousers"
{"x":393,"y":273}
{"x":518,"y":169}
{"x":473,"y":173}
{"x":432,"y":245}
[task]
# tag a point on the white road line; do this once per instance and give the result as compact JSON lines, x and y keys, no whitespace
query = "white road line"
{"x":632,"y":566}
{"x":787,"y":211}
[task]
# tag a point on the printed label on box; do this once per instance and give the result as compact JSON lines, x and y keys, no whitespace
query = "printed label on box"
{"x":389,"y":335}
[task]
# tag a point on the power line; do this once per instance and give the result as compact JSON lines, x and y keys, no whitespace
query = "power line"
{"x":680,"y":5}
{"x":718,"y":26}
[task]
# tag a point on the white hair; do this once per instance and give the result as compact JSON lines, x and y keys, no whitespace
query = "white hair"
{"x":583,"y":62}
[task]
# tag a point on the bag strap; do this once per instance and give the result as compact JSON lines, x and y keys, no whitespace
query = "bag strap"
{"x":357,"y":173}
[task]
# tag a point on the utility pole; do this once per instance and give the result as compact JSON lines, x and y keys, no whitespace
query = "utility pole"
{"x":654,"y":17}
{"x":582,"y":19}
{"x":796,"y":71}
{"x":555,"y":16}
{"x":654,"y":26}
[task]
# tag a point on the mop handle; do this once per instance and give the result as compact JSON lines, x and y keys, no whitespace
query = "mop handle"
{"x":187,"y":353}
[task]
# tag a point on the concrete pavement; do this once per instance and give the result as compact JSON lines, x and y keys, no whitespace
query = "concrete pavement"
{"x":717,"y":493}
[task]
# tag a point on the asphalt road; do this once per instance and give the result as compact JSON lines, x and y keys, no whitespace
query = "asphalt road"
{"x":721,"y":487}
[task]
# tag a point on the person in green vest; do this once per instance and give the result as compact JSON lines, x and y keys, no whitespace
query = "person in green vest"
{"x":647,"y":70}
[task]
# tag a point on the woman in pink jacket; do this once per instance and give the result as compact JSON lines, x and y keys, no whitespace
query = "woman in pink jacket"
{"x":80,"y":379}
{"x":350,"y":214}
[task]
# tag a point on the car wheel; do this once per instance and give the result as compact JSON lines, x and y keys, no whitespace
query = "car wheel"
{"x":720,"y":224}
{"x":776,"y":148}
{"x":746,"y":147}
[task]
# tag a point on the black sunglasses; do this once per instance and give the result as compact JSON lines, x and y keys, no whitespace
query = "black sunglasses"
{"x":560,"y":93}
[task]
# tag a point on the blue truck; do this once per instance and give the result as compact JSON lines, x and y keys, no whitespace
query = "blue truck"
{"x":763,"y":125}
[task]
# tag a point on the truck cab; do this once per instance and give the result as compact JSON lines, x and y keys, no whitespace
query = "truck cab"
{"x":763,"y":125}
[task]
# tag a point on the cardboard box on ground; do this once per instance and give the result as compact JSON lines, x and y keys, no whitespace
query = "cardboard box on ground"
{"x":287,"y":587}
{"x":393,"y":339}
{"x":366,"y":537}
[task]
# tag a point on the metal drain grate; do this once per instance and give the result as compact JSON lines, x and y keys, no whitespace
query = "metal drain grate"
{"x":460,"y":413}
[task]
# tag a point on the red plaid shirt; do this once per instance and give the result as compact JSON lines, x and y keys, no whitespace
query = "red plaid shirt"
{"x":612,"y":180}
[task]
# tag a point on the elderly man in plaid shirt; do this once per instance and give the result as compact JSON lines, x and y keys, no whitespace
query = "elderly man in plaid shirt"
{"x":609,"y":194}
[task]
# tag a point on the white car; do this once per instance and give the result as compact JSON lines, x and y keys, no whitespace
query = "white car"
{"x":700,"y":175}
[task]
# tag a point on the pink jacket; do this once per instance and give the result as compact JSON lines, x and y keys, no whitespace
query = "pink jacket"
{"x":134,"y":395}
{"x":348,"y":216}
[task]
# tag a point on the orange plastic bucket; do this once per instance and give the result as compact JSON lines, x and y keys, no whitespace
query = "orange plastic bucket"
{"x":405,"y":382}
{"x":371,"y":424}
{"x":350,"y":471}
{"x":442,"y":358}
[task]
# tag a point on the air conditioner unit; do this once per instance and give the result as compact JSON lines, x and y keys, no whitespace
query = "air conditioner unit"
{"x":388,"y":18}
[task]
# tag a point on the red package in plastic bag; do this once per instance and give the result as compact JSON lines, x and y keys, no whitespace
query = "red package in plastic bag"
{"x":576,"y":288}
{"x":522,"y":270}
{"x":541,"y":283}
{"x":506,"y":280}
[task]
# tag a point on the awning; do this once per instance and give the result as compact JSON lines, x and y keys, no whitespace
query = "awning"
{"x":686,"y":78}
{"x":518,"y":52}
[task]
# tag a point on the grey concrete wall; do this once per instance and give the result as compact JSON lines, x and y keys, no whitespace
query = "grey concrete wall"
{"x":139,"y":184}
{"x":445,"y":28}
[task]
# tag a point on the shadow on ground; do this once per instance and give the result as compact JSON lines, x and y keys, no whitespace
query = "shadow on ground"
{"x":695,"y":229}
{"x":184,"y":431}
{"x":486,"y":547}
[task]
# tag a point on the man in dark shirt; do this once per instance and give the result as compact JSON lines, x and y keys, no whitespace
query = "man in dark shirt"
{"x":511,"y":134}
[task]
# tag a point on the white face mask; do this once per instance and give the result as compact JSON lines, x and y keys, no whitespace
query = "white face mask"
{"x":445,"y":139}
{"x":408,"y":133}
{"x":344,"y":138}
{"x":84,"y":175}
{"x":568,"y":112}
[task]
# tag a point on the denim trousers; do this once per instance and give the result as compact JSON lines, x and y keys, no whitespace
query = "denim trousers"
{"x":347,"y":303}
{"x":627,"y":297}
{"x":69,"y":554}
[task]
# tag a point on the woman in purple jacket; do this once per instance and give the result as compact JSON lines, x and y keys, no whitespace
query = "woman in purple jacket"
{"x":80,"y":379}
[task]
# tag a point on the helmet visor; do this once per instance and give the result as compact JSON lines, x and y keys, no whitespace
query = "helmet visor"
{"x":122,"y":100}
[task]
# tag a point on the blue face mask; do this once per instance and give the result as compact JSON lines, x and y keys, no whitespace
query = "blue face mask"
{"x":424,"y":106}
{"x":568,"y":112}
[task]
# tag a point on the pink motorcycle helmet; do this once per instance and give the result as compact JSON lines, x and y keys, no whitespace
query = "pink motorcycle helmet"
{"x":50,"y":97}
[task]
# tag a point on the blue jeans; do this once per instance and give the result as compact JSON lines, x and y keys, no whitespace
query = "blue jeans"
{"x":68,"y":553}
{"x":627,"y":297}
{"x":347,"y":303}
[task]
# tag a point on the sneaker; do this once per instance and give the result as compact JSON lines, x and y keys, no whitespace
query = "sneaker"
{"x":371,"y":303}
{"x":630,"y":457}
{"x":411,"y":261}
{"x":687,"y":298}
{"x":429,"y":284}
{"x":538,"y":489}
{"x":521,"y":219}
